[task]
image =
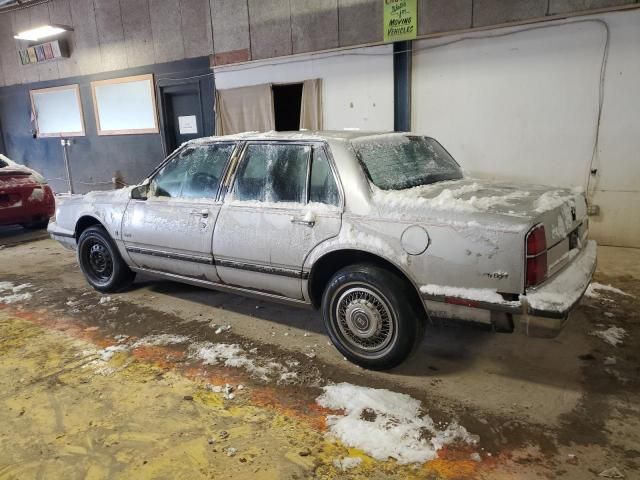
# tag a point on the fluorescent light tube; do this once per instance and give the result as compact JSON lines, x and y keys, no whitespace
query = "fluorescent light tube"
{"x":40,"y":33}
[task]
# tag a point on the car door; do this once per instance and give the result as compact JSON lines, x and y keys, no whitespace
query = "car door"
{"x":171,"y":230}
{"x":268,"y":225}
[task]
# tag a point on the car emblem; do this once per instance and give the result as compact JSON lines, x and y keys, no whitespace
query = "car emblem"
{"x":573,"y":213}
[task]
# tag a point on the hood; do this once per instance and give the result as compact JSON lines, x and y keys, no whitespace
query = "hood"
{"x":98,"y":197}
{"x":101,"y":196}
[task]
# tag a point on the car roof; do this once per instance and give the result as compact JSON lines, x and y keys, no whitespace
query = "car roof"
{"x":295,"y":135}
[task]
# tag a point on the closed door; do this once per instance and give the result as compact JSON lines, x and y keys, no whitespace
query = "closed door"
{"x":182,"y":113}
{"x":276,"y":212}
{"x":171,"y":231}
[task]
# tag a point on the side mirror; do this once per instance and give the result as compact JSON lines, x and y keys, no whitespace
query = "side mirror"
{"x":140,"y":192}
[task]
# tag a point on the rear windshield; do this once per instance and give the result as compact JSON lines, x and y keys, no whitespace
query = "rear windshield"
{"x":396,"y":162}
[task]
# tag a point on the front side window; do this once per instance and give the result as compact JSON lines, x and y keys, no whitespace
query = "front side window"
{"x":398,"y":161}
{"x":195,"y":173}
{"x":322,"y":184}
{"x":273,"y":173}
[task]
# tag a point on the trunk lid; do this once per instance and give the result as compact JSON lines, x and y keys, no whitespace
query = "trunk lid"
{"x":563,"y":212}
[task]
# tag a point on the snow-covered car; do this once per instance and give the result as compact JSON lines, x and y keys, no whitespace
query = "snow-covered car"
{"x":25,"y":197}
{"x":380,"y":231}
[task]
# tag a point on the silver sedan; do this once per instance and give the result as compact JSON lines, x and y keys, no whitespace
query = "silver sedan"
{"x":382,"y":232}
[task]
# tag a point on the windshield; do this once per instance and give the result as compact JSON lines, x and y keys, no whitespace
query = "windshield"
{"x":397,"y":161}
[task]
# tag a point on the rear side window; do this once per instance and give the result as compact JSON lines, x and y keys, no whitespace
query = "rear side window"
{"x":273,"y":173}
{"x":322,"y":184}
{"x":195,"y":173}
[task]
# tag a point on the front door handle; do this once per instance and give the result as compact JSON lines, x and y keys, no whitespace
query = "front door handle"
{"x":200,"y":213}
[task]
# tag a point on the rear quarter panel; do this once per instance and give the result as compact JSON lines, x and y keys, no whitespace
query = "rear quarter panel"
{"x":464,"y":255}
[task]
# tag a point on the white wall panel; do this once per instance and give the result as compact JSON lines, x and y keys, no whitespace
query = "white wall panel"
{"x":524,"y":107}
{"x":357,"y":85}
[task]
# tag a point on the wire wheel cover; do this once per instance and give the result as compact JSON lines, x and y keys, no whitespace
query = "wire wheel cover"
{"x":364,"y":320}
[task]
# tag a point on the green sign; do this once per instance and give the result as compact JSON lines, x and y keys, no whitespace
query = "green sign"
{"x":400,"y":20}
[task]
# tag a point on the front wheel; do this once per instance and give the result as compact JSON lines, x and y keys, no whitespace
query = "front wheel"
{"x":370,"y":316}
{"x":101,"y":262}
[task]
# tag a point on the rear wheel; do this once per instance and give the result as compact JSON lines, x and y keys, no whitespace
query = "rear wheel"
{"x":370,"y":316}
{"x":101,"y":262}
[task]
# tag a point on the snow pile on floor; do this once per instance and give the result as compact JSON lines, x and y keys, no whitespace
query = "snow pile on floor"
{"x":14,"y":293}
{"x":612,"y":335}
{"x":234,"y":356}
{"x":107,"y":354}
{"x":347,"y":463}
{"x":595,"y":287}
{"x":387,"y":424}
{"x":160,"y":340}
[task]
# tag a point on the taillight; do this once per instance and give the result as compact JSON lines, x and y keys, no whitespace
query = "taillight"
{"x":536,"y":256}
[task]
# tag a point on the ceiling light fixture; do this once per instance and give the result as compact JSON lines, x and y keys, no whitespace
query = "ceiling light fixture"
{"x":39,"y":33}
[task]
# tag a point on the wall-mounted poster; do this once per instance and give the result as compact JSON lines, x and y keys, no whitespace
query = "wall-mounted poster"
{"x":188,"y":124}
{"x":400,"y":20}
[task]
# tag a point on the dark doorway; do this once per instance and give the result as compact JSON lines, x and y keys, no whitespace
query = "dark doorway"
{"x":181,"y":114}
{"x":287,"y":101}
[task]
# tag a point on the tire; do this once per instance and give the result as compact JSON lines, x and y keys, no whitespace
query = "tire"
{"x":370,"y":316}
{"x":101,"y":262}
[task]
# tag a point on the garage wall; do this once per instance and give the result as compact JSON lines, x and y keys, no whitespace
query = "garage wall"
{"x":94,"y":160}
{"x":117,"y":34}
{"x":352,"y":96}
{"x":524,"y":106}
{"x":108,"y":35}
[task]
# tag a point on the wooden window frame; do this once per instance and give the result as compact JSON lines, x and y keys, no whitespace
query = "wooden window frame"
{"x":136,"y":131}
{"x":74,"y":87}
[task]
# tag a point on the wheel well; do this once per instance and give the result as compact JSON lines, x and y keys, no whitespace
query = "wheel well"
{"x":84,"y":223}
{"x":328,"y":265}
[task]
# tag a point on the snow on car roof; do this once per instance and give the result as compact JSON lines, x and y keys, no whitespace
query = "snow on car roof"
{"x":298,"y":135}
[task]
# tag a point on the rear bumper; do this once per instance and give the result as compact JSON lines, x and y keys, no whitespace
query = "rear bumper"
{"x":542,"y":312}
{"x":26,"y":206}
{"x":25,"y":214}
{"x":548,"y":306}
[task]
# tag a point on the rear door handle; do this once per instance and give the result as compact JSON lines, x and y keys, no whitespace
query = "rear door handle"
{"x":302,"y":221}
{"x":200,"y":213}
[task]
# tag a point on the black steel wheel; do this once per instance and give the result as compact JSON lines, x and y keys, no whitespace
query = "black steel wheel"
{"x":370,"y":317}
{"x":100,"y":261}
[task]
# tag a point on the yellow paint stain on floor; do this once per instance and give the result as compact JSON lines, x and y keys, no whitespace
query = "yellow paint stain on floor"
{"x":65,"y":413}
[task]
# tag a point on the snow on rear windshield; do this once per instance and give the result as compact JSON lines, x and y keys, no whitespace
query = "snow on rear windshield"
{"x":396,"y":162}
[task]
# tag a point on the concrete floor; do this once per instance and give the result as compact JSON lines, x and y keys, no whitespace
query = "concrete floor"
{"x":542,"y":408}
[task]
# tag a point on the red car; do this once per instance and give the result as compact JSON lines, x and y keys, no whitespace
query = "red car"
{"x":25,"y":197}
